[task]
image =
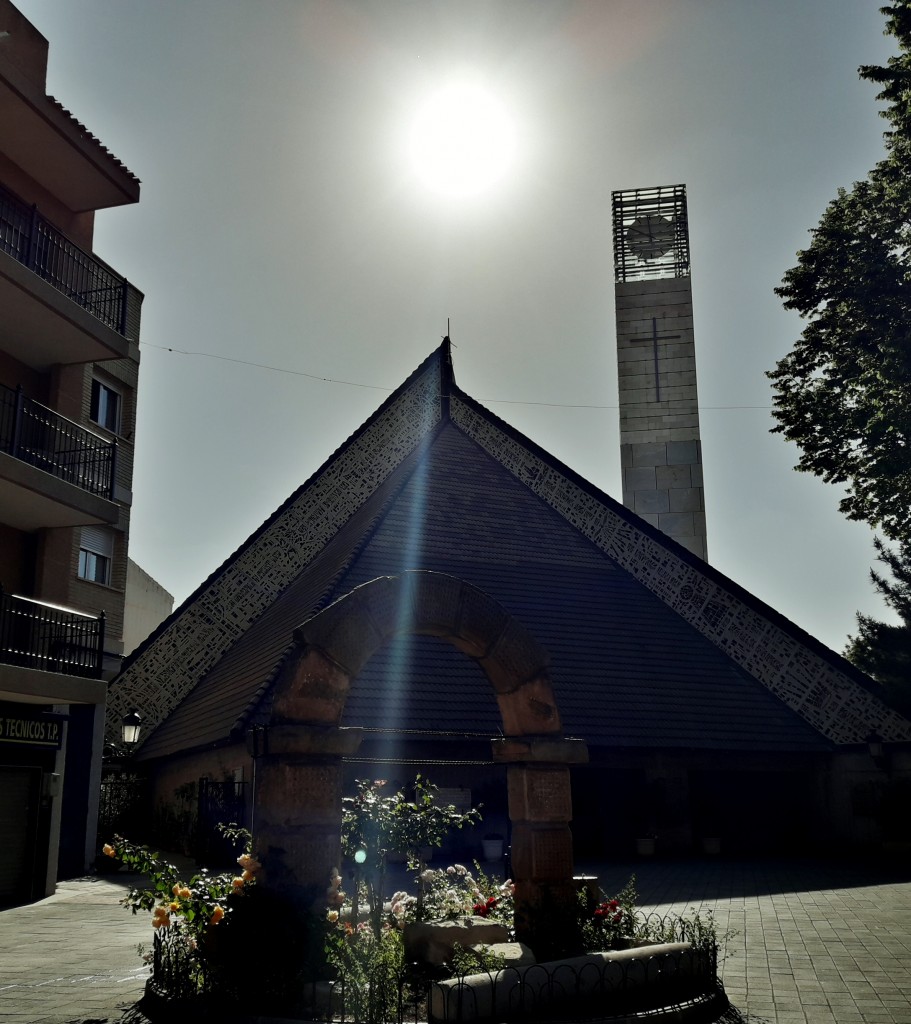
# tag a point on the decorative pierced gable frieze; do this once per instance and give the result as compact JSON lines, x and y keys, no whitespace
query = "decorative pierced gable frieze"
{"x":210,"y":622}
{"x":824,"y":696}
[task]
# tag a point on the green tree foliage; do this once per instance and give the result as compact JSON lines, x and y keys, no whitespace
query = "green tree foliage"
{"x":883,"y":649}
{"x":843,"y":393}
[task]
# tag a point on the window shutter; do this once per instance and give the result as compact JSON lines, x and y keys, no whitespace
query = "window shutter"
{"x":99,"y":540}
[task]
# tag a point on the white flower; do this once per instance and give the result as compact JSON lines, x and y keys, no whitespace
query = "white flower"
{"x":428,"y":875}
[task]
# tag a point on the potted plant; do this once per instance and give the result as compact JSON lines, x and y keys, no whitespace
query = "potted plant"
{"x":645,"y":845}
{"x":492,"y":844}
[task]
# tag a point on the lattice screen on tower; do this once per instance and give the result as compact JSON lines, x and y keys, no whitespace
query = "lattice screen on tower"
{"x":651,"y":234}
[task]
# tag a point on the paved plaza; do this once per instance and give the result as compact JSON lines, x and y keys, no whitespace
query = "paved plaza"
{"x":817,"y":943}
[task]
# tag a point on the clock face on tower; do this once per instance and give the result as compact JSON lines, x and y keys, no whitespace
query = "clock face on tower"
{"x":650,"y":236}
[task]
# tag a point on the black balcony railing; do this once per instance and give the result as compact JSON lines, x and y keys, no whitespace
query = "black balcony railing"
{"x":31,"y":432}
{"x":44,"y":249}
{"x":36,"y":635}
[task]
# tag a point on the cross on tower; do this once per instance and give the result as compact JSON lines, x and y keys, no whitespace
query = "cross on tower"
{"x":654,"y":338}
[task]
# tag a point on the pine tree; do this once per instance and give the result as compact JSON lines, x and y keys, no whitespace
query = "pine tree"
{"x":882,"y":649}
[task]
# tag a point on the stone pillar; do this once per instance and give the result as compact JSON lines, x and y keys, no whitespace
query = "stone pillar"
{"x":540,"y":809}
{"x":298,"y":807}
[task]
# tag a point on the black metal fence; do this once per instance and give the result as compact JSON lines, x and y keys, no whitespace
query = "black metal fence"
{"x":31,"y":432}
{"x":219,"y":803}
{"x":36,"y":635}
{"x":123,"y":807}
{"x":37,"y":244}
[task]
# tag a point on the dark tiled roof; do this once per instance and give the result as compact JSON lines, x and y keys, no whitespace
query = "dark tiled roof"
{"x":627,"y":670}
{"x":226,"y":695}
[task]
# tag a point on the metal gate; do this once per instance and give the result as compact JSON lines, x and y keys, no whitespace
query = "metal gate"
{"x":220,"y":803}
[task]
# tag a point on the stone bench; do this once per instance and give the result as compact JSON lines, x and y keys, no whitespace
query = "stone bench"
{"x":643,"y":978}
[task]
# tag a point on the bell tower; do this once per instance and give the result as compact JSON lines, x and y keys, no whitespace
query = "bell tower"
{"x":660,"y":448}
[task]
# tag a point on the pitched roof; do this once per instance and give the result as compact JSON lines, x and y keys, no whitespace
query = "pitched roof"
{"x":650,"y":646}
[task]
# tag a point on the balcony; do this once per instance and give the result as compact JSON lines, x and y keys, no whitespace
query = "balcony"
{"x":61,"y":304}
{"x":53,"y":472}
{"x":41,"y":636}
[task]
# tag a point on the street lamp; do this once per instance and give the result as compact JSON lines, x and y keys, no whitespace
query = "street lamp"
{"x":130,"y":725}
{"x":878,"y":753}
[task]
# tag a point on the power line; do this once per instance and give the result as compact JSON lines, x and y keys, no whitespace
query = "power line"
{"x":378,"y":387}
{"x":264,"y":366}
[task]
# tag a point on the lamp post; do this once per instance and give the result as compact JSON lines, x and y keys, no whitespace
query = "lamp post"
{"x":878,"y":754}
{"x":130,"y":726}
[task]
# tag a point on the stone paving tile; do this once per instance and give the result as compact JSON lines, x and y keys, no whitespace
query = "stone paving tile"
{"x":817,"y":942}
{"x":71,"y":956}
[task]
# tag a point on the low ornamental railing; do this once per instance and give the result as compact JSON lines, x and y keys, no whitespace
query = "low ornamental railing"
{"x":44,"y":249}
{"x":36,"y":635}
{"x":671,"y":980}
{"x":32,"y":433}
{"x":653,"y":982}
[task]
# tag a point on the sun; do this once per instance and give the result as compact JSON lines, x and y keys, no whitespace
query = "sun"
{"x":462,"y":141}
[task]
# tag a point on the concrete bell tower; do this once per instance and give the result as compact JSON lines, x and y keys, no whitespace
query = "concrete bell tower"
{"x":660,"y":449}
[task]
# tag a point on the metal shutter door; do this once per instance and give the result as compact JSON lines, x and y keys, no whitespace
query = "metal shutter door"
{"x":19,"y":789}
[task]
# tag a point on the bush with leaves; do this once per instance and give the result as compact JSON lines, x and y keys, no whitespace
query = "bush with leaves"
{"x":375,"y":824}
{"x":187,"y":914}
{"x":454,"y":892}
{"x":616,"y":922}
{"x":370,"y":968}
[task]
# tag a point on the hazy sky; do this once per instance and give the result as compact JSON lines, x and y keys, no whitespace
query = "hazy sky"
{"x":282,"y":222}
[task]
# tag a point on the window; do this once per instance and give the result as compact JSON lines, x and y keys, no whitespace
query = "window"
{"x":105,"y":409}
{"x":96,"y":549}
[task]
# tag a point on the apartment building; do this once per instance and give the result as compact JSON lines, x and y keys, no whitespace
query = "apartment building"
{"x":69,"y":359}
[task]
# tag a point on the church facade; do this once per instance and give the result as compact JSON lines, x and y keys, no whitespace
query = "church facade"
{"x":706,"y":715}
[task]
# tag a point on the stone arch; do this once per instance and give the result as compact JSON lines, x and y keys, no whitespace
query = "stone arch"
{"x":336,"y":643}
{"x":297,"y":812}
